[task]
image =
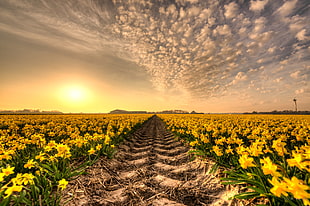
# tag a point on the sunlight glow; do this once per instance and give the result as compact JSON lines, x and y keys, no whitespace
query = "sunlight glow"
{"x":74,"y":95}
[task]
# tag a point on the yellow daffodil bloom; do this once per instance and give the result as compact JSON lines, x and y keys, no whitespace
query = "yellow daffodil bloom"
{"x":7,"y":171}
{"x":269,"y":168}
{"x":98,"y":147}
{"x":217,"y":150}
{"x":91,"y":151}
{"x":62,"y":184}
{"x":10,"y":190}
{"x":41,"y":156}
{"x":279,"y":187}
{"x":298,"y":161}
{"x":246,"y":161}
{"x":2,"y":175}
{"x":298,"y":188}
{"x":63,"y":151}
{"x":30,"y":164}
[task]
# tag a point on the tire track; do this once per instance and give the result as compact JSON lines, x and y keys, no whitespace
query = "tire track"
{"x":151,"y":168}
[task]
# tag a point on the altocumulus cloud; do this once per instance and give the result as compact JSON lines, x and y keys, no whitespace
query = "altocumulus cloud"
{"x":196,"y":47}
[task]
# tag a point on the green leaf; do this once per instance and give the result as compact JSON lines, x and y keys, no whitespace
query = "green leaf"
{"x":214,"y":168}
{"x":247,"y":195}
{"x":233,"y":183}
{"x":45,"y":166}
{"x":256,"y":189}
{"x":245,"y":179}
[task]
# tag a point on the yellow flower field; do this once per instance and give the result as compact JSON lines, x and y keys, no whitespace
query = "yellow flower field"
{"x":37,"y":152}
{"x":268,"y":154}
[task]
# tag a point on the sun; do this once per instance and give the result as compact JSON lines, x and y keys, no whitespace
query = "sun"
{"x":75,"y":94}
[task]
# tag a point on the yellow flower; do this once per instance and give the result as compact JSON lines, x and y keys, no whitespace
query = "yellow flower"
{"x":48,"y":148}
{"x":14,"y":188}
{"x":298,"y":161}
{"x":204,"y":138}
{"x":279,"y":146}
{"x":267,"y":150}
{"x":28,"y":178}
{"x":298,"y":188}
{"x":62,"y":184}
{"x":91,"y":151}
{"x":239,"y":141}
{"x":256,"y":149}
{"x":18,"y":180}
{"x":29,"y":164}
{"x":229,"y":150}
{"x":217,"y":150}
{"x":193,"y":143}
{"x":107,"y":139}
{"x":279,"y":187}
{"x":41,"y":156}
{"x":6,"y":155}
{"x":98,"y":147}
{"x":53,"y":159}
{"x":246,"y":161}
{"x":2,"y":175}
{"x":7,"y":171}
{"x":63,"y":151}
{"x":52,"y":144}
{"x":241,"y":150}
{"x":23,"y":179}
{"x":112,"y":145}
{"x":269,"y":168}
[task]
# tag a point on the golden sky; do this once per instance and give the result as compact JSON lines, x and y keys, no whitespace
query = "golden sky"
{"x":207,"y":56}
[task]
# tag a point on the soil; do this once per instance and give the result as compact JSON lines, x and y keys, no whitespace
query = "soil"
{"x":151,"y":168}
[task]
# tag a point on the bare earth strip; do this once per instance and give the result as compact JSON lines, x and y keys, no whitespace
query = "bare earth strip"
{"x":152,"y":168}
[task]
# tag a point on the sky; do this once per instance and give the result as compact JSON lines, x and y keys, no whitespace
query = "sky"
{"x":207,"y":56}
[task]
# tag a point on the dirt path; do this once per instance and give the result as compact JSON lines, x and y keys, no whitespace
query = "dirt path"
{"x":152,"y":168}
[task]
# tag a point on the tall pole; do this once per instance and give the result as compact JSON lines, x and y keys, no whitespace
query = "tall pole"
{"x":295,"y":101}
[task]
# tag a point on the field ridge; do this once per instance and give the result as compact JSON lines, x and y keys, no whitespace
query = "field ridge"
{"x":151,"y":168}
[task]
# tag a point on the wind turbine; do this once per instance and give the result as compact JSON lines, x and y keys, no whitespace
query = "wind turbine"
{"x":295,"y":101}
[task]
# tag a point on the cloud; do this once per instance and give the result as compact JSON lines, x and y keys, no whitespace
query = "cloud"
{"x":183,"y":2}
{"x":301,"y":36}
{"x":287,"y":8}
{"x":258,"y":5}
{"x":259,"y":24}
{"x":193,"y":11}
{"x":297,"y":23}
{"x":278,"y":79}
{"x":222,"y":30}
{"x":201,"y":48}
{"x":299,"y":91}
{"x":271,"y":49}
{"x":231,"y":10}
{"x":295,"y":75}
{"x":241,"y":76}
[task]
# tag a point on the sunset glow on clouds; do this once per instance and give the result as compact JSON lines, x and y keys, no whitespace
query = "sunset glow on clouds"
{"x":210,"y":56}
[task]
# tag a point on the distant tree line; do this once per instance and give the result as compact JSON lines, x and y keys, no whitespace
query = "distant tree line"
{"x":281,"y":112}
